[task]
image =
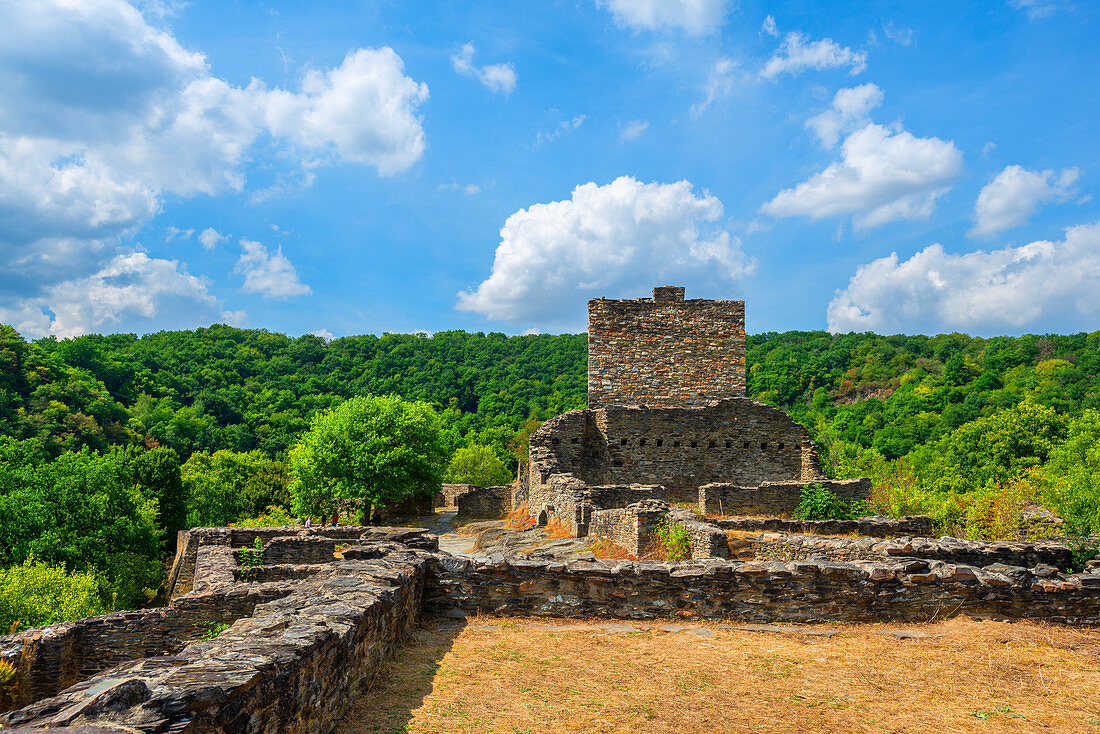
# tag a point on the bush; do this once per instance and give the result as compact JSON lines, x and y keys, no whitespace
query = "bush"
{"x":673,"y":540}
{"x":478,"y":465}
{"x":275,"y":517}
{"x":35,"y":593}
{"x":818,"y":503}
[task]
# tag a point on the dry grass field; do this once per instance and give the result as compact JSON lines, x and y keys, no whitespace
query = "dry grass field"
{"x":523,"y":676}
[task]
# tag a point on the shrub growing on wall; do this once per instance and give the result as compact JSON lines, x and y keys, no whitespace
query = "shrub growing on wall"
{"x":819,"y":503}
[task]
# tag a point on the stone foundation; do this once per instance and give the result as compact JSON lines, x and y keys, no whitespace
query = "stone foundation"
{"x":773,"y":499}
{"x":913,"y":591}
{"x":300,"y":649}
{"x":485,"y":502}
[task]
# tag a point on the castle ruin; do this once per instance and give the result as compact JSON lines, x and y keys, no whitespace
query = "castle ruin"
{"x":668,"y":420}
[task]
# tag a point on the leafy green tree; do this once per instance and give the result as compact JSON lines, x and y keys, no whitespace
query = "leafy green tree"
{"x":34,"y":593}
{"x":478,"y":465}
{"x":374,"y":450}
{"x":226,"y":486}
{"x":1070,"y":480}
{"x":84,"y":511}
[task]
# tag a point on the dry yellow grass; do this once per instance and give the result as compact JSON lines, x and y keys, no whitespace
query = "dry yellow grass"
{"x":526,"y":676}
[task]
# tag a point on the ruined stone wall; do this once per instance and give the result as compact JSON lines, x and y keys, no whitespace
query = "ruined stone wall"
{"x":735,"y":440}
{"x":773,"y":498}
{"x":449,"y":494}
{"x":485,"y":501}
{"x":665,"y":351}
{"x":49,"y":659}
{"x":706,"y":540}
{"x":914,"y":591}
{"x":631,"y":528}
{"x":293,"y":665}
{"x":181,"y":576}
{"x":875,"y":527}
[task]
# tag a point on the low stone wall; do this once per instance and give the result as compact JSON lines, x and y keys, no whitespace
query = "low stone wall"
{"x":449,"y":494}
{"x":49,"y":659}
{"x":784,"y":547}
{"x":485,"y":502}
{"x":307,"y":549}
{"x":773,"y":498}
{"x":294,"y":665}
{"x":760,"y":592}
{"x":631,"y":527}
{"x":181,"y":577}
{"x":874,"y":527}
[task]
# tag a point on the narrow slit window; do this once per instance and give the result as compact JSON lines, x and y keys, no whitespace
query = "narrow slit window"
{"x":712,"y":444}
{"x":641,"y":442}
{"x":780,"y":446}
{"x":660,"y":442}
{"x":694,"y":444}
{"x":763,"y":445}
{"x":622,"y":442}
{"x":729,"y":444}
{"x":746,"y":444}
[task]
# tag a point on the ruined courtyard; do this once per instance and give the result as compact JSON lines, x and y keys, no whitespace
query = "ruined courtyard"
{"x":770,"y":623}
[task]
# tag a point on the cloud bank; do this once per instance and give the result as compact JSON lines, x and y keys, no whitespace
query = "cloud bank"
{"x":1039,"y":286}
{"x":105,"y":116}
{"x":617,"y":239}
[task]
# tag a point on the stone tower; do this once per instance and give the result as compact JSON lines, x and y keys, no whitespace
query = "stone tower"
{"x":665,"y":352}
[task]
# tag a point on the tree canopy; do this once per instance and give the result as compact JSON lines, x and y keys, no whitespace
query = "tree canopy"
{"x":376,"y":450}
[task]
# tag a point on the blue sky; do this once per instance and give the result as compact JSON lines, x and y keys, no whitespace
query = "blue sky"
{"x":354,"y":167}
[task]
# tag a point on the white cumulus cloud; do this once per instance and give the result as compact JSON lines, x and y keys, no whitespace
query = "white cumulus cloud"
{"x":1041,"y":286}
{"x":130,"y":286}
{"x":1015,"y":194}
{"x":104,"y":115}
{"x":270,"y":274}
{"x":211,"y":238}
{"x":850,"y":109}
{"x":797,"y":53}
{"x":495,"y":77}
{"x":692,"y":16}
{"x":618,"y":239}
{"x":238,"y":319}
{"x":882,"y":176}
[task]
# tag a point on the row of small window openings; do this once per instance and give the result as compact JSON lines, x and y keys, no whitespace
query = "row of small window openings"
{"x":694,"y":444}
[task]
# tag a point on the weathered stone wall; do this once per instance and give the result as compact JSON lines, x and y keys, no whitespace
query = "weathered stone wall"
{"x":49,"y":659}
{"x":679,"y":449}
{"x":773,"y":498}
{"x":181,"y":576}
{"x":292,"y":666}
{"x":665,"y":351}
{"x":707,"y":541}
{"x":304,"y":549}
{"x":761,"y":592}
{"x":447,"y":496}
{"x":874,"y":527}
{"x":631,"y":527}
{"x":485,"y":501}
{"x":785,"y":547}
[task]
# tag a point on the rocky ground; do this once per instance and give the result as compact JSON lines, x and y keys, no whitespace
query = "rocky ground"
{"x":491,"y":536}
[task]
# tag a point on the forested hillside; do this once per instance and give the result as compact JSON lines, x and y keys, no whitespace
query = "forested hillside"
{"x":108,"y":444}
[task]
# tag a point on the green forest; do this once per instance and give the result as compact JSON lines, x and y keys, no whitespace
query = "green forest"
{"x":110,"y":444}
